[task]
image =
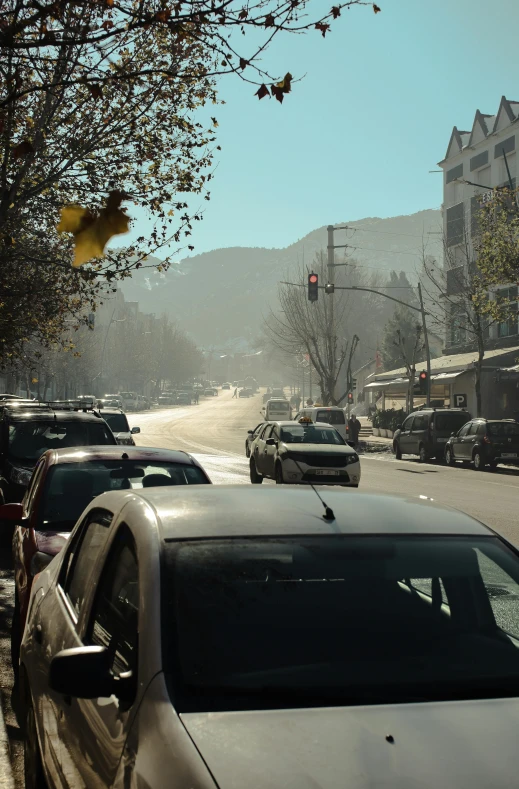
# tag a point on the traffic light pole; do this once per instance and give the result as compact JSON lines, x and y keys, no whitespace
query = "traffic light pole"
{"x":427,"y":350}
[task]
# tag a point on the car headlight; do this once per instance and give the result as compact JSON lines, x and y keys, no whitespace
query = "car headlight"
{"x":352,"y":459}
{"x":21,"y":476}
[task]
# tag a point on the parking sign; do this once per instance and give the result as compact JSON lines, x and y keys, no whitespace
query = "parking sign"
{"x":460,"y":400}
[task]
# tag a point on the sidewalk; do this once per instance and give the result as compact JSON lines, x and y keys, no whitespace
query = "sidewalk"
{"x":6,"y":775}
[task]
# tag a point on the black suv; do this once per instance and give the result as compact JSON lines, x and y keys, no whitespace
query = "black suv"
{"x":426,"y":432}
{"x":26,"y":432}
{"x":485,"y":442}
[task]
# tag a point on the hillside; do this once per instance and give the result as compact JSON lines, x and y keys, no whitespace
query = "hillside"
{"x":219,"y":297}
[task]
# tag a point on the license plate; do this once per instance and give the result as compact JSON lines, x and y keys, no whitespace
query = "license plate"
{"x":442,"y":440}
{"x":508,"y":454}
{"x":324,"y":472}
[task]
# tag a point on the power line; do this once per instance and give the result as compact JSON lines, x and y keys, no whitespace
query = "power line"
{"x":387,"y":232}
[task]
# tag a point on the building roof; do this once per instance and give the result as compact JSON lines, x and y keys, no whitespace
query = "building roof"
{"x":442,"y":364}
{"x":212,"y":511}
{"x":488,"y":124}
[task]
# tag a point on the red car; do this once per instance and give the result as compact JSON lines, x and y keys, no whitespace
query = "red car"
{"x":63,"y":483}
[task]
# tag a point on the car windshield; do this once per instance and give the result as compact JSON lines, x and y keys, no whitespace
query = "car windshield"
{"x":28,"y":440}
{"x":329,"y":621}
{"x":450,"y":422}
{"x":503,"y":429}
{"x":310,"y":434}
{"x":116,"y":422}
{"x":332,"y":417}
{"x":70,"y":487}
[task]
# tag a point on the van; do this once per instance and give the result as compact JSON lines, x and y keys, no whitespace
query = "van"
{"x":278,"y":410}
{"x":332,"y":415}
{"x":426,"y":432}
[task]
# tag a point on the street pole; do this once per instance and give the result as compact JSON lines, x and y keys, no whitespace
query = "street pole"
{"x":331,"y":281}
{"x":426,"y":343}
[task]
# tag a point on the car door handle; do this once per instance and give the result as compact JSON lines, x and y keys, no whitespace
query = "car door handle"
{"x":38,"y":634}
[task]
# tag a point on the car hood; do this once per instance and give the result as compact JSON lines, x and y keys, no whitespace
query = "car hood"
{"x":51,"y":542}
{"x":452,"y":745}
{"x":319,"y":449}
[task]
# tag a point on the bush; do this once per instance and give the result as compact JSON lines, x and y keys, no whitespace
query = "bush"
{"x":389,"y":419}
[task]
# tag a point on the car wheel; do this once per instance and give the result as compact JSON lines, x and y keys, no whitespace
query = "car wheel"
{"x":422,"y":453}
{"x":397,"y":450}
{"x":477,"y":459}
{"x":279,"y":475}
{"x":255,"y":478}
{"x":34,"y":777}
{"x":449,"y":457}
{"x":15,"y":638}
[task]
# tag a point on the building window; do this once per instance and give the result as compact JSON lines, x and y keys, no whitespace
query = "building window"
{"x":506,"y":146}
{"x":508,"y":296}
{"x":458,"y":331}
{"x":456,"y":281}
{"x":455,"y":224}
{"x":479,"y":161}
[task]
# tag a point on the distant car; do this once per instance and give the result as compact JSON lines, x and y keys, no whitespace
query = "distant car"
{"x":184,"y":398}
{"x":103,"y":402}
{"x":114,"y":397}
{"x":130,"y":400}
{"x":226,"y":386}
{"x":425,"y":432}
{"x":165,"y":400}
{"x":117,"y":421}
{"x":64,"y":482}
{"x":210,"y":392}
{"x":251,"y":435}
{"x":232,"y":637}
{"x":245,"y":392}
{"x":303,"y":453}
{"x":278,"y":393}
{"x":485,"y":442}
{"x":278,"y":408}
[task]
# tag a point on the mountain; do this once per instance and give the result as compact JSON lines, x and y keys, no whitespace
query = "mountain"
{"x":220,"y":297}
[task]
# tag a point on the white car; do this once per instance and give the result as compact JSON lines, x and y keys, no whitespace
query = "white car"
{"x":303,"y":453}
{"x":207,"y":636}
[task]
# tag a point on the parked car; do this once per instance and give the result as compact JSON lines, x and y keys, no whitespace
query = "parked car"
{"x":64,"y":482}
{"x":426,"y":432}
{"x":210,"y":392}
{"x":332,"y":415}
{"x":226,"y":386}
{"x":117,"y":421}
{"x":164,"y":400}
{"x":27,"y":431}
{"x":184,"y":398}
{"x":485,"y":442}
{"x":130,"y":401}
{"x":232,"y":637}
{"x":303,"y":453}
{"x":245,"y":392}
{"x":278,"y":409}
{"x":114,"y":397}
{"x":251,"y":435}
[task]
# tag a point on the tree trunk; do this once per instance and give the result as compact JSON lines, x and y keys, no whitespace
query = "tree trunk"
{"x":479,"y":366}
{"x":412,"y":375}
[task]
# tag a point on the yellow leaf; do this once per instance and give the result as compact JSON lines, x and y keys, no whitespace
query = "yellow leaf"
{"x":73,"y":217}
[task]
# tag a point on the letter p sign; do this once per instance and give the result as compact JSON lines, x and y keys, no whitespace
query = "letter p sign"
{"x":460,"y":400}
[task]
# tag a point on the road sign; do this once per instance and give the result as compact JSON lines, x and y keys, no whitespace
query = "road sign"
{"x":460,"y":400}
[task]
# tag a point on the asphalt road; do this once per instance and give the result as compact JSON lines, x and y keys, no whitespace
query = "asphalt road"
{"x":215,"y":430}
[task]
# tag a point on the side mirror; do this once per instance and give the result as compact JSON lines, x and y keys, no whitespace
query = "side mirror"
{"x":13,"y":513}
{"x":250,"y":432}
{"x":399,"y":427}
{"x":136,"y":430}
{"x":453,"y":434}
{"x":271,"y":442}
{"x":84,"y":673}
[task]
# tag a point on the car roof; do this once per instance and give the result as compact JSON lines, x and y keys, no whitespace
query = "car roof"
{"x":293,"y":422}
{"x":188,"y":512}
{"x":118,"y":452}
{"x":102,"y":411}
{"x":48,"y":415}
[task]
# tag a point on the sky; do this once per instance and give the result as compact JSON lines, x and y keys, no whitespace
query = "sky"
{"x":359,"y":133}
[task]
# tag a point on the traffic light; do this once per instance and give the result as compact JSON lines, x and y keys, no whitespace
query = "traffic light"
{"x":350,"y":398}
{"x":313,"y":287}
{"x":329,"y":288}
{"x":422,"y":382}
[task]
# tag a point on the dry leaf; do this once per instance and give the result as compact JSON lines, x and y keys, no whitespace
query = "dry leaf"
{"x":92,"y":232}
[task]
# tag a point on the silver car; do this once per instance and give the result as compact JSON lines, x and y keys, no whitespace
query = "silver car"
{"x":237,"y":637}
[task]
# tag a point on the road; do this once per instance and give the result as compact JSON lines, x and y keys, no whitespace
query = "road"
{"x":215,"y":430}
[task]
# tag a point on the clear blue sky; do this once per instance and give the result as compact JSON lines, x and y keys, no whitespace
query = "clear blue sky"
{"x":357,"y":136}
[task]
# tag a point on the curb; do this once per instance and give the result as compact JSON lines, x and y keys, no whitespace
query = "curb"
{"x":6,"y":773}
{"x":369,"y":447}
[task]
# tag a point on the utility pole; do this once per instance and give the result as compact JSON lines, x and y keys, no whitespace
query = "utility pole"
{"x":331,"y":281}
{"x":427,"y":350}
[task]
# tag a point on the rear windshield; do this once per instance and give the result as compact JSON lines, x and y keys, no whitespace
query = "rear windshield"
{"x":332,"y":417}
{"x":70,"y":487}
{"x":451,"y":421}
{"x":279,"y":405}
{"x":339,"y":621}
{"x":504,"y":429}
{"x":28,"y":440}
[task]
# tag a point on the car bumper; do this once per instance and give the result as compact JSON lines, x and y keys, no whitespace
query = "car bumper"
{"x":309,"y":475}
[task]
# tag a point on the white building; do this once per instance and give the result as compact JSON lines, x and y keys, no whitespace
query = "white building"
{"x":477,"y":159}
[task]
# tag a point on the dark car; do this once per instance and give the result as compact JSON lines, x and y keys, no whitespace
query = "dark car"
{"x":485,"y":442}
{"x":117,"y":421}
{"x":26,"y":432}
{"x":184,"y":398}
{"x":64,"y":482}
{"x":245,"y":392}
{"x":426,"y":432}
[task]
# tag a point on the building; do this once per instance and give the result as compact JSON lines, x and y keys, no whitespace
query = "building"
{"x":477,"y":161}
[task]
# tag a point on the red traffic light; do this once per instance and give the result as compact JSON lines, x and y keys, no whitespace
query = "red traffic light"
{"x":312,"y":278}
{"x":423,"y":376}
{"x":313,"y":286}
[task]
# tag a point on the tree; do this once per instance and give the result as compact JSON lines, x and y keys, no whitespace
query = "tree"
{"x":306,"y":328}
{"x":401,"y":345}
{"x":497,"y":244}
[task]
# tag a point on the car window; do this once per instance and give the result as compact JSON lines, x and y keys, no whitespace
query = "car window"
{"x":269,"y":432}
{"x":503,"y":594}
{"x":114,"y":618}
{"x":331,"y":417}
{"x":33,"y":487}
{"x":473,"y":429}
{"x":263,"y":434}
{"x":82,"y":556}
{"x":420,"y":422}
{"x":310,"y":434}
{"x":116,"y":422}
{"x":450,"y":421}
{"x":28,"y":440}
{"x":464,"y":430}
{"x":257,"y":429}
{"x":503,"y":429}
{"x":482,"y":428}
{"x":407,"y":424}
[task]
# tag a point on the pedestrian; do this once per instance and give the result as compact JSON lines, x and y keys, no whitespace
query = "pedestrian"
{"x":235,"y":392}
{"x":309,"y":402}
{"x":353,"y":429}
{"x":197,"y":396}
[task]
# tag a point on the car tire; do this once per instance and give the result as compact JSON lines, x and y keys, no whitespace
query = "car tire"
{"x":397,"y":450}
{"x":279,"y":474}
{"x":449,"y":457}
{"x":422,"y":454}
{"x":477,"y":459}
{"x":33,"y":767}
{"x":255,"y":478}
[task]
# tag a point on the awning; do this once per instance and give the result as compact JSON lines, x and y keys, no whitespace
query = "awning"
{"x":402,"y":383}
{"x":447,"y":378}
